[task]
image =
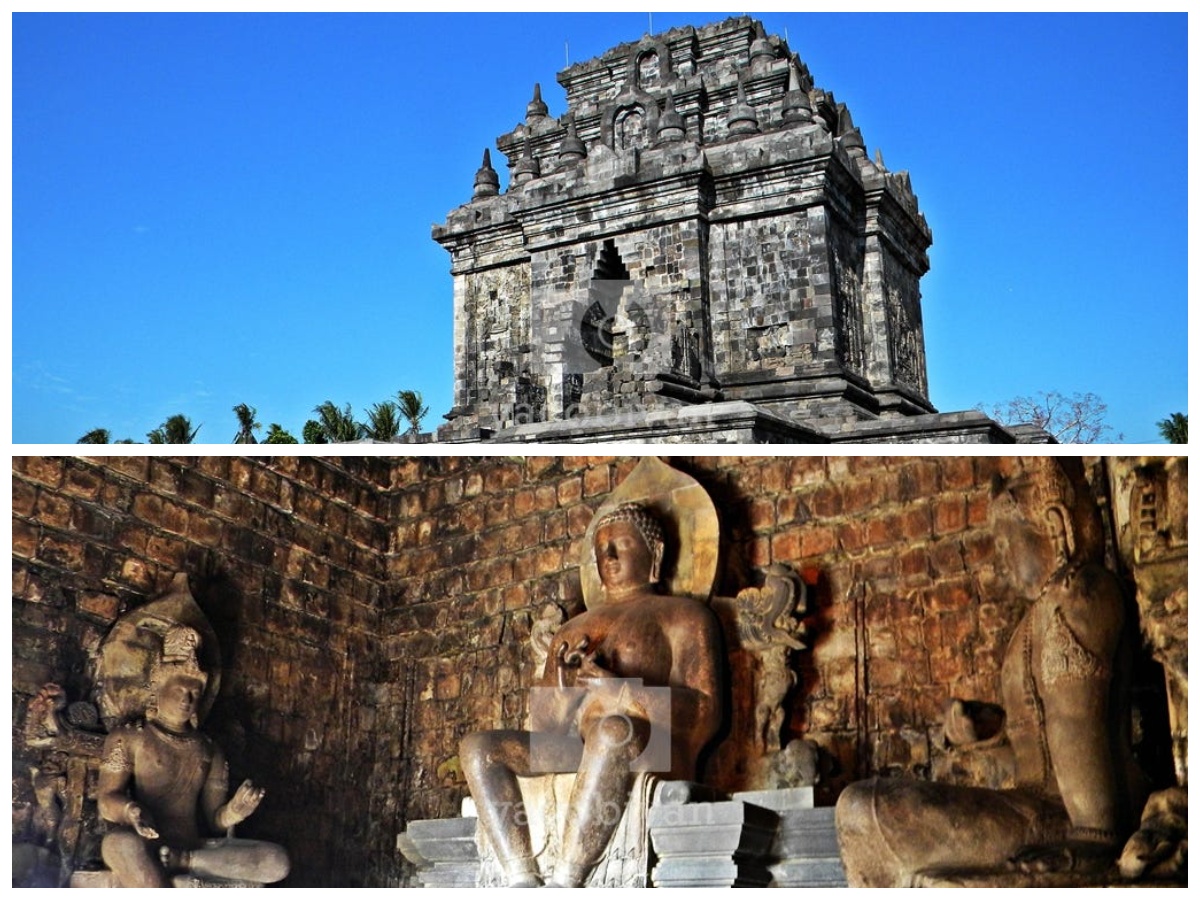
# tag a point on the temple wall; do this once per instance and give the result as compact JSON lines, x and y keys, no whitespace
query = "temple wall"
{"x":770,"y":293}
{"x":373,"y":611}
{"x":896,"y":550}
{"x":287,"y":562}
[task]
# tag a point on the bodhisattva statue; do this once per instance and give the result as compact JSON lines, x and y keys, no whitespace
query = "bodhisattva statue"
{"x":160,"y":776}
{"x":636,"y":666}
{"x":1063,"y":687}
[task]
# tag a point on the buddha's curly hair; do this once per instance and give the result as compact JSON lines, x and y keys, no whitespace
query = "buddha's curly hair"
{"x":642,"y":519}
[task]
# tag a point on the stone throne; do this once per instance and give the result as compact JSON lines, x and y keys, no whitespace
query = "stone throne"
{"x":675,"y":832}
{"x":76,"y":739}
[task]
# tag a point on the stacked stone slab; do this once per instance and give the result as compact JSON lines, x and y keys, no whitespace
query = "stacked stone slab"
{"x":443,"y":850}
{"x":804,"y":852}
{"x":701,"y":838}
{"x":702,"y":226}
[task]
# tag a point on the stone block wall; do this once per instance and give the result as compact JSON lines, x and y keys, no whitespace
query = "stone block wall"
{"x":286,"y":560}
{"x":770,"y":293}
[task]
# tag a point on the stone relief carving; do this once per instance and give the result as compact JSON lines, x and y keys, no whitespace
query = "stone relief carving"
{"x":630,"y":688}
{"x":630,"y":126}
{"x":770,"y":341}
{"x":155,"y":773}
{"x":850,"y":310}
{"x":1076,"y":786}
{"x":685,"y":349}
{"x":542,"y":631}
{"x":1150,"y":510}
{"x":763,"y":629}
{"x":907,"y":364}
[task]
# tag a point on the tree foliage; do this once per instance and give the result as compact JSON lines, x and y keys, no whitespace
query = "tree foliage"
{"x":1078,"y":419}
{"x":413,"y":409}
{"x":337,"y":425}
{"x":247,"y":424}
{"x":177,"y":429}
{"x":313,"y":433}
{"x":96,"y":436}
{"x":1173,"y":428}
{"x":276,"y":435}
{"x":383,"y":421}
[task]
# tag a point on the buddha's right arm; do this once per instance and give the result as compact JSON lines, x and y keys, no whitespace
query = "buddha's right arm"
{"x":116,"y":772}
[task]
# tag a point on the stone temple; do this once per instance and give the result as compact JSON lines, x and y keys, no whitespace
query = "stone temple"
{"x":698,"y":250}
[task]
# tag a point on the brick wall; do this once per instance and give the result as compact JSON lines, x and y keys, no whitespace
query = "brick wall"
{"x":377,"y":610}
{"x":287,"y":562}
{"x":894,"y":547}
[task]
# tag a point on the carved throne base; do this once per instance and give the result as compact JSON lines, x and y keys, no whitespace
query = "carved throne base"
{"x":700,"y":838}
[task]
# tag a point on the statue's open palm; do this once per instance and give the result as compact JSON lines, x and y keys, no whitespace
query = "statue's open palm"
{"x":245,"y":801}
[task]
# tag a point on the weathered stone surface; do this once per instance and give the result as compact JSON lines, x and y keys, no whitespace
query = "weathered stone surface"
{"x":1065,"y":693}
{"x":711,"y":844}
{"x":343,"y":699}
{"x":702,"y":225}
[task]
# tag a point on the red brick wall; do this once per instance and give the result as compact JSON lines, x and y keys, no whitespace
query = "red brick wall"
{"x":287,"y":562}
{"x":377,"y":610}
{"x":895,"y":548}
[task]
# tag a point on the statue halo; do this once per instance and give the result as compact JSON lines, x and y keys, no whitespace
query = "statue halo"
{"x":690,"y":528}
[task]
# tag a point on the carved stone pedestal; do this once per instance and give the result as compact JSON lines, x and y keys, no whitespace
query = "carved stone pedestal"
{"x":804,"y":852}
{"x":701,"y":838}
{"x":710,"y":843}
{"x":443,"y":850}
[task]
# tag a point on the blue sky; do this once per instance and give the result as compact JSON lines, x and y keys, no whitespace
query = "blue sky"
{"x":216,"y":209}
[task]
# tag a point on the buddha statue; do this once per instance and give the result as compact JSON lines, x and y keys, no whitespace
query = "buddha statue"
{"x":1063,"y":685}
{"x":164,"y":787}
{"x":630,"y":685}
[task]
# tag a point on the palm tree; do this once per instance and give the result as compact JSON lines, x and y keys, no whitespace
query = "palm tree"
{"x":313,"y":432}
{"x":246,"y":424}
{"x":412,"y":409}
{"x":176,"y":430}
{"x":96,"y":436}
{"x":1174,"y":428}
{"x":276,"y":435}
{"x":383,"y":421}
{"x":338,"y":425}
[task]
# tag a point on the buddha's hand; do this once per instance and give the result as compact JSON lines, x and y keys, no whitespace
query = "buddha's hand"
{"x":244,"y":801}
{"x":140,"y":822}
{"x":593,"y":667}
{"x":1064,"y":856}
{"x":571,"y":657}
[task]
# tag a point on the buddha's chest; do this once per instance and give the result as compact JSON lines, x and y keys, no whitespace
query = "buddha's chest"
{"x":171,"y":769}
{"x":627,"y":642}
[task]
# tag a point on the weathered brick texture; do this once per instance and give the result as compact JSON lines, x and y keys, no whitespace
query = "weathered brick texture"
{"x":373,"y":611}
{"x":287,"y":560}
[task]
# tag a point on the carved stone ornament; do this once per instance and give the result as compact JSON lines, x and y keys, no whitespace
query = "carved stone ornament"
{"x":689,"y":520}
{"x":128,"y":654}
{"x":160,"y":784}
{"x":1077,"y":789}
